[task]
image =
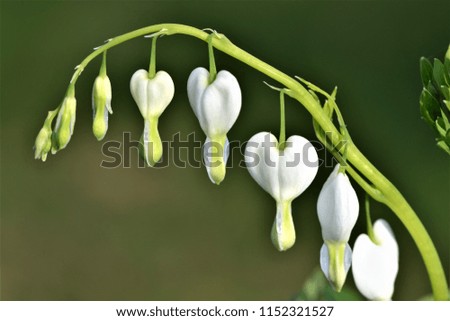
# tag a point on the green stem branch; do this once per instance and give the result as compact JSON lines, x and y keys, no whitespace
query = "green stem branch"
{"x":388,"y":192}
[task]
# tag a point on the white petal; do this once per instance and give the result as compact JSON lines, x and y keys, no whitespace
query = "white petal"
{"x":298,"y":165}
{"x":283,"y":174}
{"x":216,"y":105}
{"x":375,"y":266}
{"x":337,"y":207}
{"x":197,"y":83}
{"x":262,"y":162}
{"x":152,"y":95}
{"x":325,"y":261}
{"x":221,"y":104}
{"x":138,"y":88}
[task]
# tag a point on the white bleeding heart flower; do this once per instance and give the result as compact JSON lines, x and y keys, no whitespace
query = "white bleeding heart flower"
{"x":284,"y":174}
{"x":217,"y":106}
{"x":152,"y":95}
{"x":375,"y":265}
{"x":338,"y":209}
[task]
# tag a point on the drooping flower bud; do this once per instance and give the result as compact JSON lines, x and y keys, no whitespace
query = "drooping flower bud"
{"x":284,"y":174}
{"x":101,"y":104}
{"x":217,"y":106}
{"x":375,"y":262}
{"x":65,"y":122}
{"x":338,"y":209}
{"x":43,"y":143}
{"x":152,"y":95}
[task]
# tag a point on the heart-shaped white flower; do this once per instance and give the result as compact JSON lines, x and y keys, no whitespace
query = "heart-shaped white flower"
{"x":152,"y":95}
{"x":284,"y":174}
{"x":375,"y":265}
{"x":217,"y":106}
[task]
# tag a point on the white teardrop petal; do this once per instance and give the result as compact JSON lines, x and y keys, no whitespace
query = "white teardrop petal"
{"x":298,"y":166}
{"x":197,"y":82}
{"x":325,"y":261}
{"x":261,"y":159}
{"x":337,"y":207}
{"x":138,"y":88}
{"x":221,"y":104}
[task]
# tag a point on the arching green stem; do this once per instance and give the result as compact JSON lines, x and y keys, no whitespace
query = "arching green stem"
{"x":370,"y":177}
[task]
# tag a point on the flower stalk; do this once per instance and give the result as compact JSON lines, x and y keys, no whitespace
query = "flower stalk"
{"x":212,"y":61}
{"x":282,"y":140}
{"x":152,"y":64}
{"x":369,"y":220}
{"x":359,"y":167}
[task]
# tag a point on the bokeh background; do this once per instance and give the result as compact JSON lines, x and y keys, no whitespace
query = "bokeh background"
{"x":71,"y":230}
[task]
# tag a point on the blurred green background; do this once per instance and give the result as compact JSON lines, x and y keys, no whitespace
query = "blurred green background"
{"x":71,"y":230}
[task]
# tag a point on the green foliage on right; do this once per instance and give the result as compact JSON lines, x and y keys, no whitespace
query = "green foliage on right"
{"x":435,"y":98}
